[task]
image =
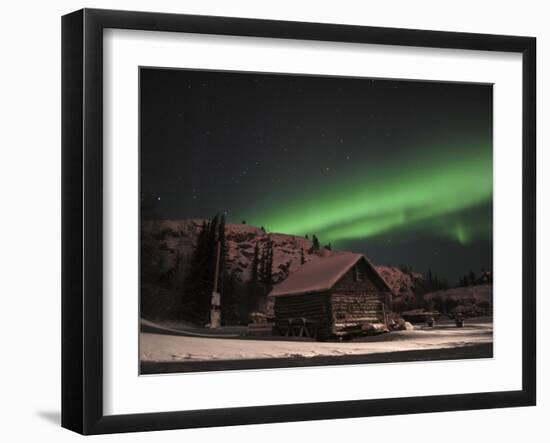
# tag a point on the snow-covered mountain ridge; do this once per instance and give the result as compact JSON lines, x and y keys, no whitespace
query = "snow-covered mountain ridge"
{"x":171,"y":244}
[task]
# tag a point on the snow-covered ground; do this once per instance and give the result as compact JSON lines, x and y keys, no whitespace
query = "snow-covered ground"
{"x":171,"y":348}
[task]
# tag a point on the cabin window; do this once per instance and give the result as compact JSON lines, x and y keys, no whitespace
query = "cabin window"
{"x":358,"y":273}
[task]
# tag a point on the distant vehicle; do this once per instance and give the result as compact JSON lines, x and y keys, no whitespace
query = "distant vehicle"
{"x":420,"y":315}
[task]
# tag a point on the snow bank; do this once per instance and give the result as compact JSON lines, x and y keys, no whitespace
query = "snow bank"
{"x":158,"y":348}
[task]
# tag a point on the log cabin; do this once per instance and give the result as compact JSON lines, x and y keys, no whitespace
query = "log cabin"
{"x":337,"y":296}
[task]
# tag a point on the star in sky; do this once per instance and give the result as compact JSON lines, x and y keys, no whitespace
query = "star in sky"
{"x":278,"y":152}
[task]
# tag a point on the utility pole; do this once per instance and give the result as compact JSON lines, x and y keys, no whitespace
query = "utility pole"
{"x":215,"y":311}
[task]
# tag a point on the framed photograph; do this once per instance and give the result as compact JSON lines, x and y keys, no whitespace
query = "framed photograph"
{"x":269,"y":221}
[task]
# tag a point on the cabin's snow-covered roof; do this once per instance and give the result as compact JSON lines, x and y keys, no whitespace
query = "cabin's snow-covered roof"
{"x":319,"y":275}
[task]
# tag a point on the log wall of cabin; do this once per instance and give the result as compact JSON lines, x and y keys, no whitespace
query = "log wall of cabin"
{"x":352,"y":311}
{"x":314,"y":307}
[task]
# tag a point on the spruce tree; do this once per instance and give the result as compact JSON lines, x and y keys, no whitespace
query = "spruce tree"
{"x":223,"y":250}
{"x":315,"y":246}
{"x":230,"y":296}
{"x":263,"y":264}
{"x":255,"y":263}
{"x":196,"y":285}
{"x":209,"y":269}
{"x":268,"y":276}
{"x":266,"y":264}
{"x":223,"y":276}
{"x":199,"y":283}
{"x":253,"y":286}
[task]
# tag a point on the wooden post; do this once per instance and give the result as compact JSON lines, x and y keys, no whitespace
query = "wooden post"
{"x":385,"y":315}
{"x":215,"y":312}
{"x":217,"y":271}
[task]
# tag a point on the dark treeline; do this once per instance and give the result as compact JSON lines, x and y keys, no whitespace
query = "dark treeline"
{"x":470,"y":279}
{"x":432,"y":282}
{"x":446,"y":305}
{"x":185,"y":294}
{"x":199,"y":282}
{"x":238,"y":299}
{"x":261,"y":277}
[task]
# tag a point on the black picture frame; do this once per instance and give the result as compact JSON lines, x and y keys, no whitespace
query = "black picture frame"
{"x":82,"y":218}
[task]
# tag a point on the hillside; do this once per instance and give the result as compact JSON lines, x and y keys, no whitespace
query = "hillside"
{"x":402,"y":283}
{"x":170,"y":244}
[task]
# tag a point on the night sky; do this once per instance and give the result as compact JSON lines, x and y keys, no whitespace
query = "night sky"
{"x":398,"y":170}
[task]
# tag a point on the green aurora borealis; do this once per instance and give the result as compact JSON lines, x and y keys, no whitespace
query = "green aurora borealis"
{"x":428,"y":191}
{"x":399,"y":170}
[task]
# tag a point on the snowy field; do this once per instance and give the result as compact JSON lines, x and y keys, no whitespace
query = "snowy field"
{"x":163,"y":348}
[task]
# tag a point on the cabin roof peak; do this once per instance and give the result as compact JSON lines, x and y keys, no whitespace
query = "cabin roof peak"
{"x":321,"y":275}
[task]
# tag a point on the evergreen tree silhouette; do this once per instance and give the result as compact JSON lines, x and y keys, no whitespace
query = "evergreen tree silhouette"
{"x":315,"y":246}
{"x":268,"y":271}
{"x":253,"y":286}
{"x":197,"y":285}
{"x":266,"y":264}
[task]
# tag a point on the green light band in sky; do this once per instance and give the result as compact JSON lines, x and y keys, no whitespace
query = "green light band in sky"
{"x":427,"y":190}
